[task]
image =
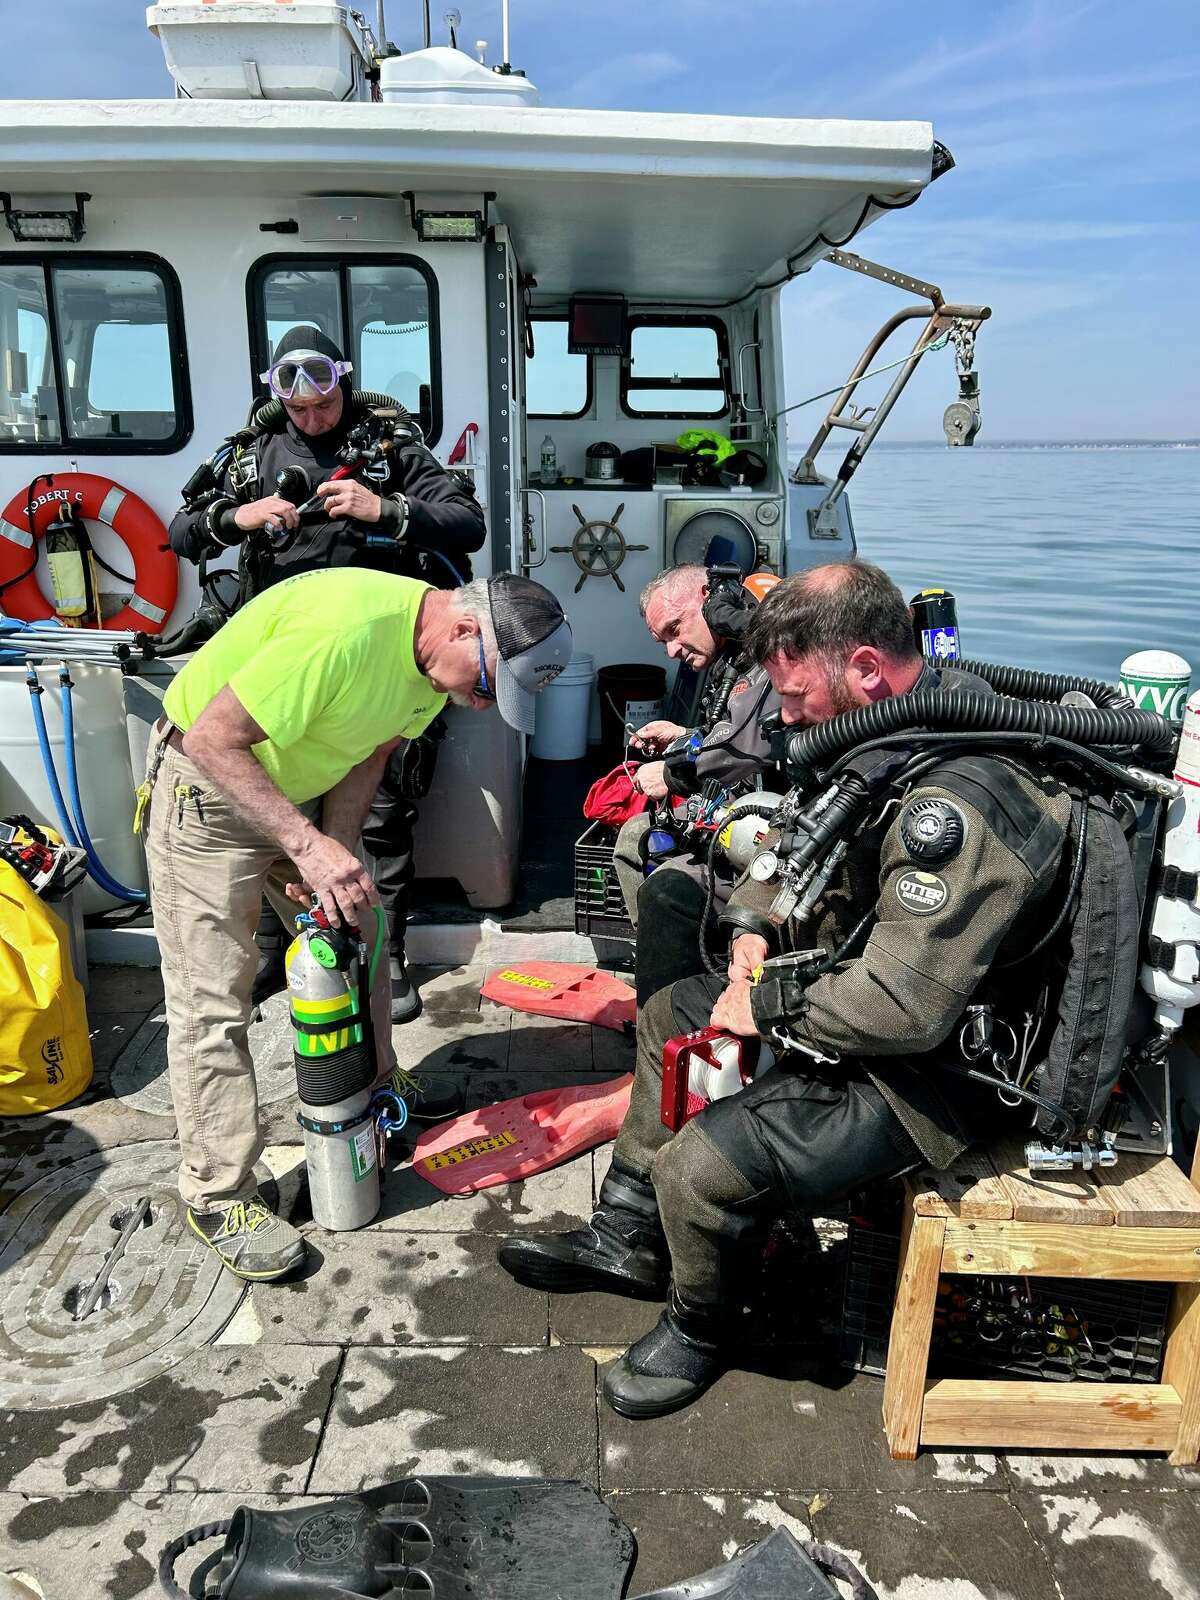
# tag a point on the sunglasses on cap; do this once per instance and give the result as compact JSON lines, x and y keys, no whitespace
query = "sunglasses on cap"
{"x":299,"y":376}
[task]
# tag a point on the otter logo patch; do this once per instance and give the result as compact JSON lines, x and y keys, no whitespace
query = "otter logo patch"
{"x":922,"y":892}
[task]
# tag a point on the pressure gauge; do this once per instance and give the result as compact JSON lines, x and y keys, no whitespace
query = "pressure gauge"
{"x":767,"y":513}
{"x":764,"y":866}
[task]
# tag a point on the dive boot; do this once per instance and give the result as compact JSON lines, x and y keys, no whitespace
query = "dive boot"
{"x":406,"y":997}
{"x":270,"y":977}
{"x":684,"y":1353}
{"x":622,"y":1250}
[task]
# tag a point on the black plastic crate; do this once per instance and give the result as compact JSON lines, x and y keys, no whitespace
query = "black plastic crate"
{"x":599,"y":903}
{"x":1102,"y":1332}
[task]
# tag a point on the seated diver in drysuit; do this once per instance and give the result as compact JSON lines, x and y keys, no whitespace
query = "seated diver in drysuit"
{"x":960,"y":879}
{"x":399,"y":511}
{"x":701,"y":616}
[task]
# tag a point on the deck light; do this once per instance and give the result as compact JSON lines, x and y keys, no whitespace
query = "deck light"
{"x":448,"y":227}
{"x":45,"y":218}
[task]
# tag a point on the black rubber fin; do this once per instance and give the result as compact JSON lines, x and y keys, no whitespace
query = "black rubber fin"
{"x":777,"y":1568}
{"x":448,"y":1538}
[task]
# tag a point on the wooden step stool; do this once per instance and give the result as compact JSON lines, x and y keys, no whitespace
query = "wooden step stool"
{"x":1139,"y":1220}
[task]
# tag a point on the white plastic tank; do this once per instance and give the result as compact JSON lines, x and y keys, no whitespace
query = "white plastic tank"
{"x":469,"y":827}
{"x":102,"y":751}
{"x":441,"y":76}
{"x":564,"y":711}
{"x":143,"y":694}
{"x":260,"y":50}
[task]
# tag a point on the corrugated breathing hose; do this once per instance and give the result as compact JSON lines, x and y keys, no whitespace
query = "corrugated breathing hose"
{"x":1025,"y":683}
{"x":816,"y":747}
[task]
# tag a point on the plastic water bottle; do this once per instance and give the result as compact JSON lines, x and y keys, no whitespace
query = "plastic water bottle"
{"x":549,"y":473}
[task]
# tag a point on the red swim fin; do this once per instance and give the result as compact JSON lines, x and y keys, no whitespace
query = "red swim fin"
{"x":515,"y":1138}
{"x":560,"y":989}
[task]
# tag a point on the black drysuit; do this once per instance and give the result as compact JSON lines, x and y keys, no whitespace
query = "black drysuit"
{"x":430,"y":525}
{"x":806,"y":1132}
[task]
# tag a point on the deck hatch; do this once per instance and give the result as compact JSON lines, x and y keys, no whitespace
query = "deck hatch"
{"x":164,"y":1298}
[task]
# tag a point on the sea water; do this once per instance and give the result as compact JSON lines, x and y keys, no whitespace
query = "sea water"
{"x":1063,"y":558}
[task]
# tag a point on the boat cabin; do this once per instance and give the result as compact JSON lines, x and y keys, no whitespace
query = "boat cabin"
{"x":557,"y":295}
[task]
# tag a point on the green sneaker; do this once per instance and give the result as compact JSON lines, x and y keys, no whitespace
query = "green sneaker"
{"x":250,"y":1239}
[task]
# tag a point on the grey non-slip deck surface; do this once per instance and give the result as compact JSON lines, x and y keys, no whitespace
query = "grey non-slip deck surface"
{"x":404,"y":1349}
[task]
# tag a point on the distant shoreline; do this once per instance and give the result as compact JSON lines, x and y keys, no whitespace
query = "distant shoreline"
{"x":1038,"y":444}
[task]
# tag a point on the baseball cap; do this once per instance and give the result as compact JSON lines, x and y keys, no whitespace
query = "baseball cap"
{"x":533,"y":639}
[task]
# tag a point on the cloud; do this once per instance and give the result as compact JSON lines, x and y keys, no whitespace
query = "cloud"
{"x":939,"y":61}
{"x":1004,"y":91}
{"x":610,"y":82}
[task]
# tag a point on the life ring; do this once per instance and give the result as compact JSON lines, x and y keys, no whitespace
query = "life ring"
{"x":155,"y":565}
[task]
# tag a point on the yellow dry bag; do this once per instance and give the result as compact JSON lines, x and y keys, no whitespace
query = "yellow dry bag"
{"x":45,"y":1052}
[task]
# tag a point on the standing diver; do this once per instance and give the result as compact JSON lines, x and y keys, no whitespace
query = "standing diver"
{"x":397,"y":510}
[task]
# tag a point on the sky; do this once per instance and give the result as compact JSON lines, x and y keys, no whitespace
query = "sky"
{"x":1073,"y":209}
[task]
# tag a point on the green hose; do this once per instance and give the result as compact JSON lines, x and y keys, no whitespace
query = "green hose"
{"x":380,"y":936}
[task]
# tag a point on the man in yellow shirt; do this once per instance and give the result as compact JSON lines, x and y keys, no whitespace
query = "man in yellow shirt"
{"x":271,"y":747}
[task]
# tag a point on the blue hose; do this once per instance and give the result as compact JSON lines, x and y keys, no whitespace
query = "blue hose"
{"x":43,"y":738}
{"x":100,"y":873}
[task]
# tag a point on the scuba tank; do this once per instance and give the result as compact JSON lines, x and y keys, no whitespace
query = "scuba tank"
{"x":935,"y":626}
{"x":743,"y":824}
{"x":1170,"y":974}
{"x":329,"y":972}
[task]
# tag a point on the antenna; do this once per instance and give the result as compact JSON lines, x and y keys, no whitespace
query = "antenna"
{"x":428,"y":31}
{"x":380,"y":23}
{"x":505,"y":58}
{"x":453,"y":21}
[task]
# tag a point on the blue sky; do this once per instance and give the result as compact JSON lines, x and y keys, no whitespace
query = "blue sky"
{"x":1072,"y":212}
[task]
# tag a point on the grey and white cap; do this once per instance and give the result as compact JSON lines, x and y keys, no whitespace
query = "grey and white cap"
{"x":533,"y":639}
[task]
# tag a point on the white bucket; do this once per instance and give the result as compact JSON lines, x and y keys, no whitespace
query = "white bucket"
{"x":563,"y":709}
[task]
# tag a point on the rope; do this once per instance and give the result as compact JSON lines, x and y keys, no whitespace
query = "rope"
{"x":938,"y":344}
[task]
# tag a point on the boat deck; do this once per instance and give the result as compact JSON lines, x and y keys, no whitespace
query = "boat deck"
{"x":404,"y":1349}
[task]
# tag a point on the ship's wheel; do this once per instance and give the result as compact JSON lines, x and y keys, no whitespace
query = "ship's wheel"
{"x":598,"y":548}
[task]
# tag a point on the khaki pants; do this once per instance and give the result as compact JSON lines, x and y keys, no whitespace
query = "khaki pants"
{"x":209,"y":869}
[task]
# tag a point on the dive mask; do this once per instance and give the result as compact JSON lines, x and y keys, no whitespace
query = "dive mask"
{"x":304,"y":374}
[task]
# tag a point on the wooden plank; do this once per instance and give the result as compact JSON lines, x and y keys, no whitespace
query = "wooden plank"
{"x":912,"y":1329}
{"x":907,"y":1219}
{"x":1066,"y":1197}
{"x":1060,"y":1250}
{"x":975,"y":1413}
{"x":1149,"y":1192}
{"x":1181,"y":1368}
{"x":969,"y":1189}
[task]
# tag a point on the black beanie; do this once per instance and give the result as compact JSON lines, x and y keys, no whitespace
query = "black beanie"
{"x":306,"y":337}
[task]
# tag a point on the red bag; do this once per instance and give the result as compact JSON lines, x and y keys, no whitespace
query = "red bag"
{"x":613,"y":799}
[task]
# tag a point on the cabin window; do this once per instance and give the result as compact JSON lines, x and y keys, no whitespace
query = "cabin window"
{"x":93,"y":355}
{"x":676,"y":367}
{"x":381,"y":311}
{"x":557,"y":383}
